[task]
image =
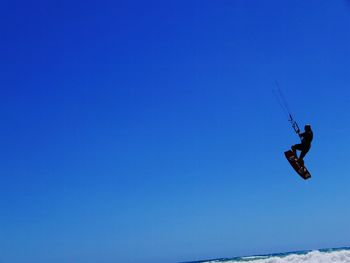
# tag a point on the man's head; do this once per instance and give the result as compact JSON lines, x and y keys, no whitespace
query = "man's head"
{"x":307,"y":127}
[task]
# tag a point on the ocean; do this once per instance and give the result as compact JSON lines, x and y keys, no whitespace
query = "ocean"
{"x":334,"y":255}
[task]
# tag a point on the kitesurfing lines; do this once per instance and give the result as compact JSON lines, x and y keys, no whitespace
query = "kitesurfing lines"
{"x":284,"y":105}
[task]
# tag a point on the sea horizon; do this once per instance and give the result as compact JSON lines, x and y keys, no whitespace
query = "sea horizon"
{"x":323,"y":255}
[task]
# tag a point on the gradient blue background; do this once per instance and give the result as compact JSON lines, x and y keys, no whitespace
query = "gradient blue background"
{"x":147,"y":131}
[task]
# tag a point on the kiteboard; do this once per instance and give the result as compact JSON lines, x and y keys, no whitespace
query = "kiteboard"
{"x":300,"y":169}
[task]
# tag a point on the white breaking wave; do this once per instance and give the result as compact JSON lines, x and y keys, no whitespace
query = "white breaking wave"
{"x":338,"y":256}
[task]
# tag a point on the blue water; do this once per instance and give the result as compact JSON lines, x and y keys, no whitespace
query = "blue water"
{"x":334,"y":255}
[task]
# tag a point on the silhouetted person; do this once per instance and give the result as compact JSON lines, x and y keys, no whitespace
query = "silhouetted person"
{"x":305,"y":145}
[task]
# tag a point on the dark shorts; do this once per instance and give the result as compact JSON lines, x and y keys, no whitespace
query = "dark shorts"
{"x":304,"y":148}
{"x":301,"y":147}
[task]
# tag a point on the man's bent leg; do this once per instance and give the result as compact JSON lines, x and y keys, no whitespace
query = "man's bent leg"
{"x":302,"y":155}
{"x":296,"y":147}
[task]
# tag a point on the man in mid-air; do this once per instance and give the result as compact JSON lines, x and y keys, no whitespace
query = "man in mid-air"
{"x":305,"y":145}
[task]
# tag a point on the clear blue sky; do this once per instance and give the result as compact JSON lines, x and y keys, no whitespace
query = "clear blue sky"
{"x":147,"y":132}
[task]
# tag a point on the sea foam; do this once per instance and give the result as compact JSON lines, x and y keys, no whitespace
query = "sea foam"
{"x":317,"y":256}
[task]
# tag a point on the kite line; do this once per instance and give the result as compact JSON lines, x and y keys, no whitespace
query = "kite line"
{"x":284,"y":105}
